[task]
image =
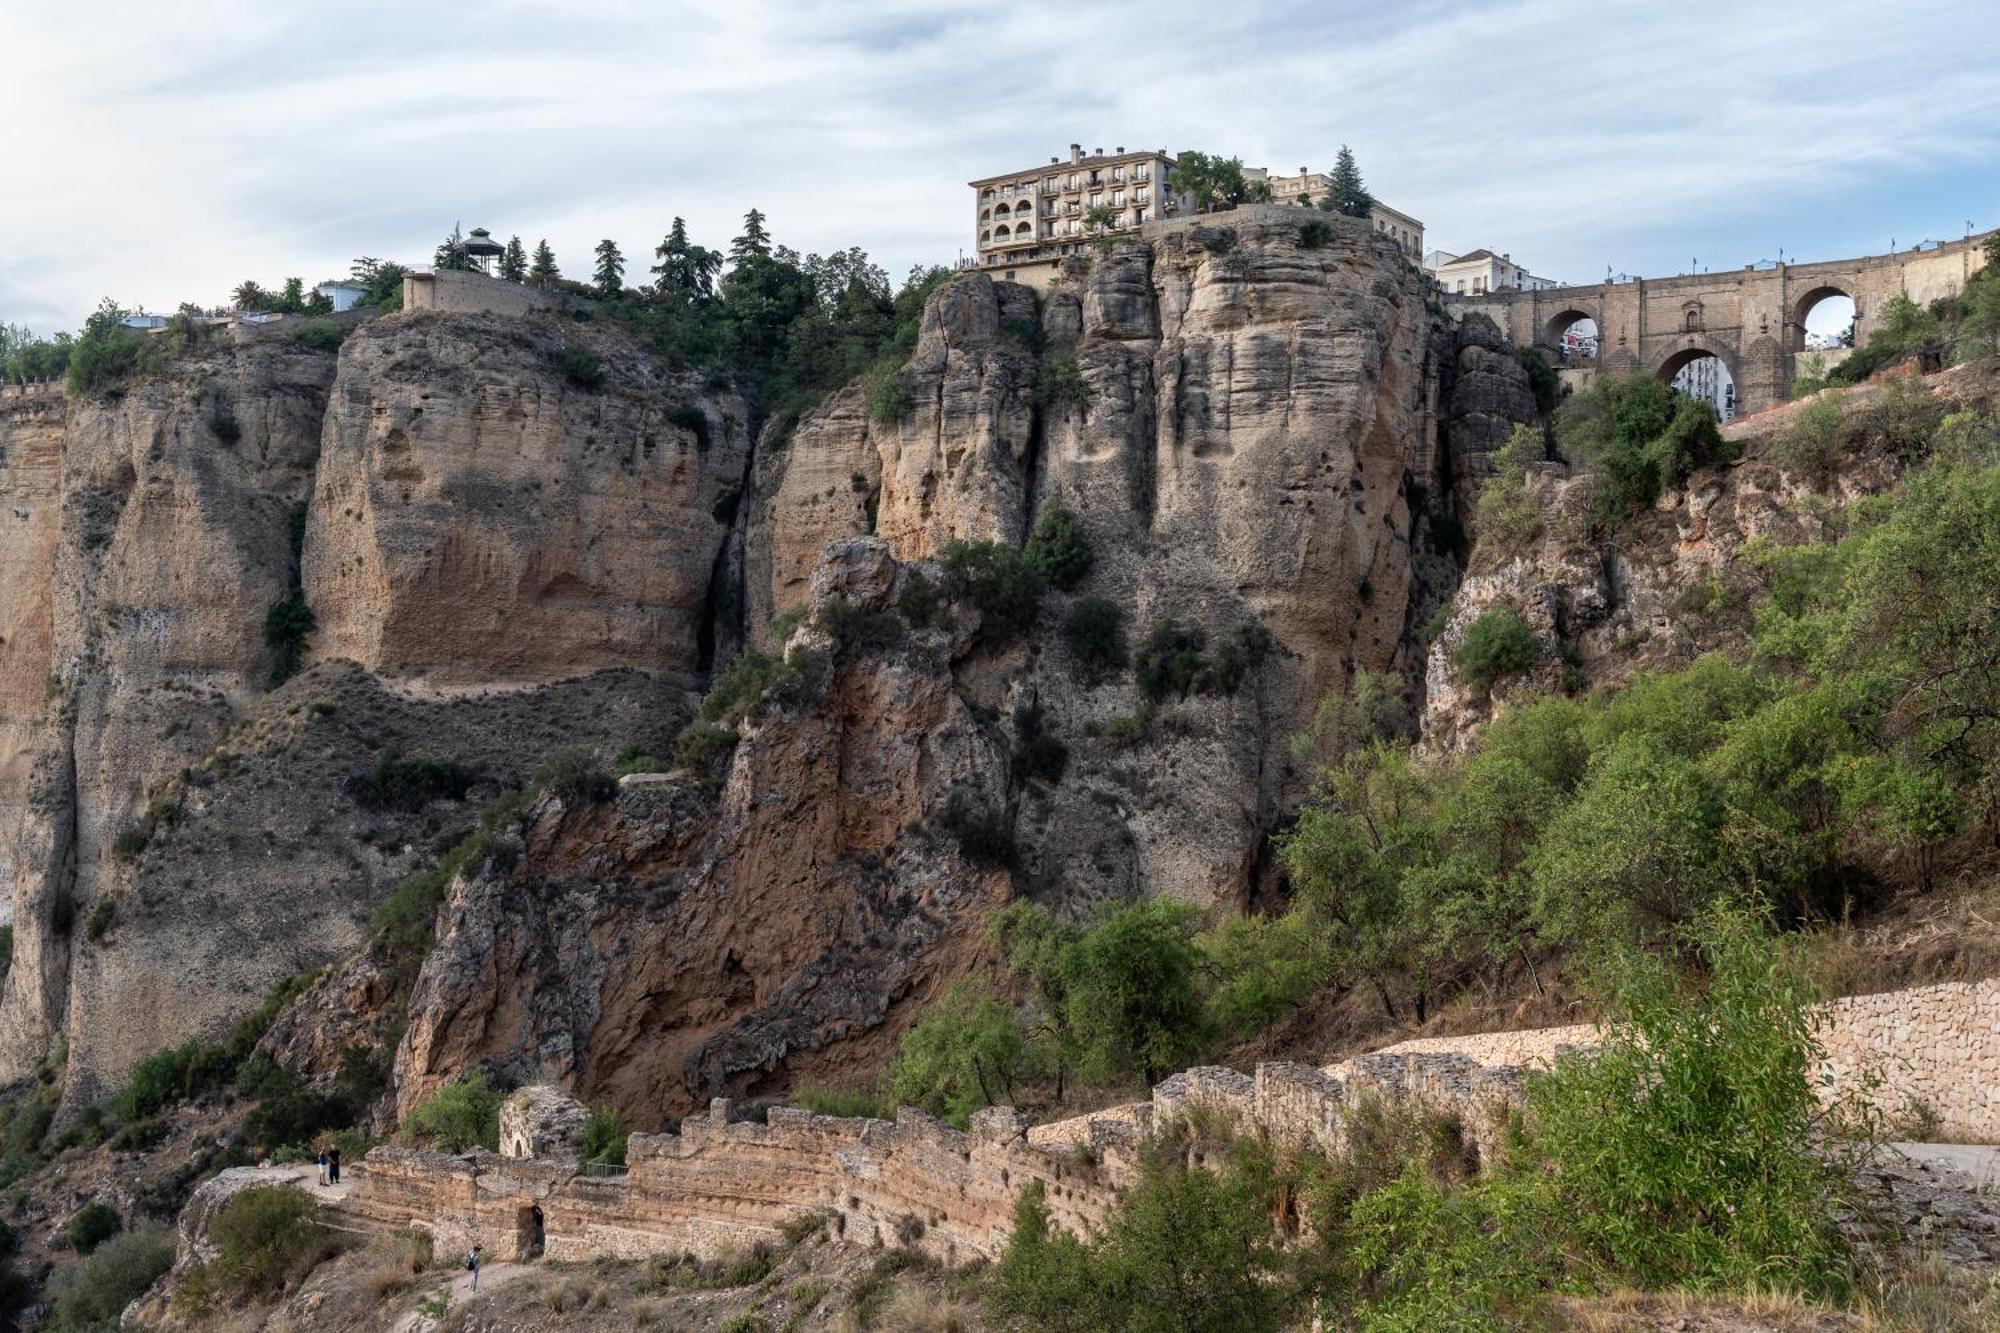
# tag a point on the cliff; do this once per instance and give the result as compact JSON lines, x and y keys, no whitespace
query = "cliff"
{"x":518,"y":534}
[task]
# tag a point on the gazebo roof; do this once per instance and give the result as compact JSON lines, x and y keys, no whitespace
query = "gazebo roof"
{"x":480,"y":242}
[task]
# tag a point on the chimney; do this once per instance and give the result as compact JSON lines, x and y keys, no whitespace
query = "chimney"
{"x":1097,"y":152}
{"x":1302,"y":172}
{"x":1119,"y":149}
{"x":1076,"y":152}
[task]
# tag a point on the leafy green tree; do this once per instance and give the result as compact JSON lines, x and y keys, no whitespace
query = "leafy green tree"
{"x":1095,"y":632}
{"x":461,"y":1115}
{"x":514,"y":261}
{"x":1640,"y":435}
{"x":686,"y":271}
{"x":1213,"y":182}
{"x":1497,"y":645}
{"x":1347,"y":195}
{"x":962,"y":1054}
{"x":383,"y":281}
{"x":609,"y":277}
{"x":250,"y":296}
{"x":451,"y":253}
{"x":1509,"y":510}
{"x":543,"y":269}
{"x":1058,"y":547}
{"x":1099,"y":218}
{"x":999,"y":581}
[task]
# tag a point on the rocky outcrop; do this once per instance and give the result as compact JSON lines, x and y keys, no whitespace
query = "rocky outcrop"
{"x":1672,"y":584}
{"x":479,"y":517}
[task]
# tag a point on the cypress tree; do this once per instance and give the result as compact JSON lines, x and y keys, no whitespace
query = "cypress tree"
{"x":1348,"y":195}
{"x":755,"y":242}
{"x":610,"y":276}
{"x":514,"y":262}
{"x":544,"y":268}
{"x":686,"y":271}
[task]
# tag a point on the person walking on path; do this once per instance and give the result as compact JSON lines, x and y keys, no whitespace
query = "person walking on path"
{"x":322,"y":1166}
{"x":333,"y":1166}
{"x":472,"y":1264}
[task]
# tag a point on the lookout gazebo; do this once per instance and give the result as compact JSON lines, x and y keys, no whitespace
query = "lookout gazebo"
{"x":483,"y":250}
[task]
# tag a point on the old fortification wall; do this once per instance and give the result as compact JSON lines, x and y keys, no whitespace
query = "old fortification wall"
{"x":720,"y":1186}
{"x":1934,"y":1047}
{"x":470,"y":293}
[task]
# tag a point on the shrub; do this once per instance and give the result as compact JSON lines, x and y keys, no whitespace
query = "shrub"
{"x":1058,"y":549}
{"x":1060,"y":383}
{"x":1094,"y":631}
{"x":604,"y":1138}
{"x":1543,"y":381}
{"x":1038,"y":753}
{"x":1315,"y":233}
{"x":580,"y":366}
{"x":222,"y":423}
{"x":577,"y":777}
{"x":631,"y":760}
{"x":845,"y":1102}
{"x":921,"y":599}
{"x":1171,"y":660}
{"x":1508,"y":509}
{"x":92,"y":1225}
{"x":173,"y":1075}
{"x":855,"y":629}
{"x":288,"y":1110}
{"x":703,"y":749}
{"x":93,"y":1294}
{"x":889,"y":398}
{"x":999,"y":582}
{"x":265,"y":1237}
{"x":962,"y":1054}
{"x":319,"y":335}
{"x":98,"y":924}
{"x":140,"y":1136}
{"x":692,"y":420}
{"x":1640,"y":435}
{"x":404,"y":921}
{"x":461,"y":1115}
{"x":1496,"y":645}
{"x":408,"y":785}
{"x":1810,"y":446}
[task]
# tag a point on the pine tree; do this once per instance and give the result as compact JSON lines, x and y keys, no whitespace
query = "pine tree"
{"x":451,"y":252}
{"x":686,"y":271}
{"x":610,"y":276}
{"x":1347,"y":195}
{"x":544,"y":268}
{"x":514,"y":263}
{"x":755,"y":242}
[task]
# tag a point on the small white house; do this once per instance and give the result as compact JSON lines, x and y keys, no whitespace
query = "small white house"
{"x":344,"y":295}
{"x":145,"y":322}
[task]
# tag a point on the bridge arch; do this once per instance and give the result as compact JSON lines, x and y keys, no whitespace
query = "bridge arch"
{"x":1802,"y":309}
{"x":1724,"y":392}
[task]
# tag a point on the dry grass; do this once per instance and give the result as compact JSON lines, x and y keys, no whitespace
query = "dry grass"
{"x":1928,"y":1295}
{"x":1687,"y":1312}
{"x":915,"y":1309}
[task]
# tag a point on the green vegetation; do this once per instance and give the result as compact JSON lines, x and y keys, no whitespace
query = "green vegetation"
{"x":291,"y":298}
{"x":27,"y":359}
{"x":839,"y":1102}
{"x":1496,"y":645}
{"x":889,"y":397}
{"x":577,"y":776}
{"x":1176,"y":660}
{"x":288,"y":623}
{"x":408,"y":785}
{"x":609,"y":275}
{"x":1346,"y":194}
{"x":1215,"y":182}
{"x":98,"y":924}
{"x":1681,"y":1156}
{"x":1095,"y":632}
{"x":1058,"y":548}
{"x":266,"y":1238}
{"x":1543,"y":381}
{"x":1810,"y":446}
{"x":604,"y":1137}
{"x":962,"y":1055}
{"x":580,"y":366}
{"x":1509,"y":511}
{"x":1038,"y":753}
{"x":999,"y":581}
{"x":319,"y":335}
{"x":405,"y":922}
{"x":738,"y":697}
{"x":90,"y":1296}
{"x":461,"y":1115}
{"x":1639,"y":436}
{"x":1059,"y":381}
{"x":92,"y":1225}
{"x":1314,"y":234}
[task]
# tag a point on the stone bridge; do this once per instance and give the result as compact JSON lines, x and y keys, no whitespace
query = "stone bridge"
{"x":1752,"y":319}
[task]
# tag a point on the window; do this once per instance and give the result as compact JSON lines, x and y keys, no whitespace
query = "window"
{"x":1138,"y":217}
{"x":1478,"y":285}
{"x":1460,"y":287}
{"x":1139,"y":195}
{"x":1097,"y":200}
{"x":1118,"y":198}
{"x":1143,"y":171}
{"x":1117,"y":173}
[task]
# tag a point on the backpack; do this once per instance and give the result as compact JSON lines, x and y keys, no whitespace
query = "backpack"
{"x":471,"y":1262}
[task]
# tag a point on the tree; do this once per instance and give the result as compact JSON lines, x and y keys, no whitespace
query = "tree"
{"x":686,"y":271}
{"x":961,"y":1055}
{"x":514,"y":261}
{"x":1508,"y":509}
{"x":1213,"y":182}
{"x":250,"y":296}
{"x":754,"y":243}
{"x":461,"y":1115}
{"x":1496,"y":645}
{"x":1347,"y":195}
{"x":451,"y":254}
{"x":544,"y":268}
{"x":1099,"y":217}
{"x":1059,"y":549}
{"x":609,"y":278}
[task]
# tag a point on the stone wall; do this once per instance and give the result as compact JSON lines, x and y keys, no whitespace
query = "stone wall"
{"x":1935,"y":1048}
{"x":470,"y":293}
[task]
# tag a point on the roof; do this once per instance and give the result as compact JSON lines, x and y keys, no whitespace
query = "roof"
{"x":1472,"y":255}
{"x":1064,"y":164}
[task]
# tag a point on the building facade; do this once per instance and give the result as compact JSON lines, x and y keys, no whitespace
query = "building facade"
{"x":1027,"y":220}
{"x":1481,"y":272}
{"x":1308,"y":187}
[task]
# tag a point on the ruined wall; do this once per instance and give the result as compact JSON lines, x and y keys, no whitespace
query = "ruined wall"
{"x":1933,"y":1046}
{"x":471,"y":293}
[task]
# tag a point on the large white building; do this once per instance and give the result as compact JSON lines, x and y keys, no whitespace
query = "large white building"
{"x":1480,"y":272}
{"x":1027,"y":220}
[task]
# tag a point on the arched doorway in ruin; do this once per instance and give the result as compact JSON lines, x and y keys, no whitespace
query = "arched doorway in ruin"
{"x":530,"y":1233}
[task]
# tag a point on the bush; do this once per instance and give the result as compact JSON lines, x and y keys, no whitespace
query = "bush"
{"x":1060,"y":383}
{"x":93,"y":1294}
{"x":461,"y":1115}
{"x":692,"y":420}
{"x":1058,"y":549}
{"x":889,"y":398}
{"x":1810,"y":446}
{"x":404,"y":921}
{"x":173,"y":1075}
{"x":92,"y":1225}
{"x":1640,"y":435}
{"x":985,"y":837}
{"x":842,"y":1102}
{"x":286,"y":627}
{"x":580,"y":366}
{"x":1172,"y":659}
{"x":98,"y":924}
{"x":265,"y":1237}
{"x":408,"y":785}
{"x":1314,"y":234}
{"x":1496,"y":645}
{"x":999,"y":582}
{"x":631,"y":760}
{"x":703,"y":751}
{"x":1508,"y":510}
{"x":961,"y":1054}
{"x":604,"y":1138}
{"x":288,"y":1111}
{"x":319,"y":335}
{"x":1038,"y":753}
{"x":577,"y":777}
{"x":921,"y":599}
{"x":1095,"y":632}
{"x":222,"y":423}
{"x":1543,"y":381}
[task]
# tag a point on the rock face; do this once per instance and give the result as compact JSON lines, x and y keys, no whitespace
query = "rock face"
{"x":176,"y":838}
{"x":478,"y":518}
{"x":1260,"y":422}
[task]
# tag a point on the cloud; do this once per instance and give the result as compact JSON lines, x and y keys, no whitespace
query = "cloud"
{"x":163,"y":153}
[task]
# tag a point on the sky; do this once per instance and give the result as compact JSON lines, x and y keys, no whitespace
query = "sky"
{"x":163,"y":153}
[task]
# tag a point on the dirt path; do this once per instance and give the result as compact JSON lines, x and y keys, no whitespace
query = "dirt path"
{"x":491,"y":1278}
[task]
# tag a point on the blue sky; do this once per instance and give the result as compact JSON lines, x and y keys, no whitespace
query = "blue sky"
{"x":160,"y":153}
